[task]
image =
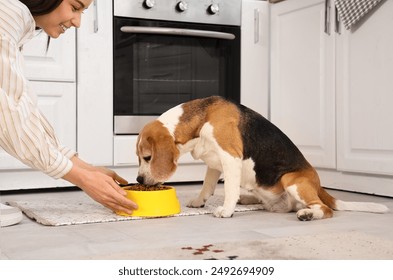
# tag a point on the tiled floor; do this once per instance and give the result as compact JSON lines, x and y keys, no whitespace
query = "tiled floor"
{"x":29,"y":240}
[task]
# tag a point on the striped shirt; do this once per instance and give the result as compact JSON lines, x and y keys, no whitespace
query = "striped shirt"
{"x":24,"y":131}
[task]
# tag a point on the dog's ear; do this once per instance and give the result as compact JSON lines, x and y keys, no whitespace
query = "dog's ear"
{"x":164,"y":157}
{"x":137,"y":149}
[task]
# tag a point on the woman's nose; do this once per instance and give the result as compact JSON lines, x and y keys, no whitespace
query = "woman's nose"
{"x":76,"y":21}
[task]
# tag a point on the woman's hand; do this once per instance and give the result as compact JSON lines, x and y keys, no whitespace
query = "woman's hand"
{"x":112,"y":174}
{"x":101,"y":185}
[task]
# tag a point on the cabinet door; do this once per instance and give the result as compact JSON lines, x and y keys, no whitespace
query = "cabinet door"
{"x":55,"y":63}
{"x":255,"y":55}
{"x":57,"y":102}
{"x":365,"y":94}
{"x":302,"y":79}
{"x":95,"y":84}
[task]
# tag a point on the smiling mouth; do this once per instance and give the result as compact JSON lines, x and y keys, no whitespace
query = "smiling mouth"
{"x":63,"y":27}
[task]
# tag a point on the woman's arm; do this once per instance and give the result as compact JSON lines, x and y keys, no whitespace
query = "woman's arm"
{"x":25,"y":133}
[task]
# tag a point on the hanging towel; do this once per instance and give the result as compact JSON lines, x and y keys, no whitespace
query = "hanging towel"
{"x":351,"y":11}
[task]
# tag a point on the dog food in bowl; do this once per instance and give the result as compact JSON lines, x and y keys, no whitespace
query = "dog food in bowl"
{"x":153,"y":201}
{"x":145,"y":188}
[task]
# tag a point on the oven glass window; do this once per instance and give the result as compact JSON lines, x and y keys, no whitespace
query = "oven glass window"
{"x":153,"y":73}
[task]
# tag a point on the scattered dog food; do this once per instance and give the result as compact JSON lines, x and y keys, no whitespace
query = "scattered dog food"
{"x":206,"y":249}
{"x":140,"y":187}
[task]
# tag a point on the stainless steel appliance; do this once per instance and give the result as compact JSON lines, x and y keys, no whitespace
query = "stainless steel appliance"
{"x":168,"y":51}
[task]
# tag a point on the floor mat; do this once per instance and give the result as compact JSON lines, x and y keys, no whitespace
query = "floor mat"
{"x":83,"y":210}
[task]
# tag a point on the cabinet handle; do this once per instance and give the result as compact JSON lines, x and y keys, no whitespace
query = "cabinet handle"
{"x":337,"y":23}
{"x":95,"y":16}
{"x":256,"y":26}
{"x":327,"y":17}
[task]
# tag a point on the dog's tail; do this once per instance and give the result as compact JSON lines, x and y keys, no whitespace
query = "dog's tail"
{"x":360,"y":206}
{"x":340,"y":205}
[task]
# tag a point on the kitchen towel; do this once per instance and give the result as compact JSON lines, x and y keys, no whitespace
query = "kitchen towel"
{"x":351,"y":11}
{"x":80,"y":209}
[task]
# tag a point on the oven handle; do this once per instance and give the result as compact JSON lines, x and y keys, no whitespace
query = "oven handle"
{"x":177,"y":31}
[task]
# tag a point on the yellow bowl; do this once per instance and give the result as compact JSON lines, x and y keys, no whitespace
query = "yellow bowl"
{"x":157,"y":203}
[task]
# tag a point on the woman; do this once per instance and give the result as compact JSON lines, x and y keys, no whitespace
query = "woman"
{"x":25,"y":133}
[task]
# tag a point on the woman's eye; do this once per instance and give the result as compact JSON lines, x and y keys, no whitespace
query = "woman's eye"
{"x":147,"y":159}
{"x":76,"y":9}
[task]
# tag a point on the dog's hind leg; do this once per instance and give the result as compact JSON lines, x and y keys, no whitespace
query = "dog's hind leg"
{"x":314,"y":209}
{"x":304,"y":190}
{"x":209,"y":185}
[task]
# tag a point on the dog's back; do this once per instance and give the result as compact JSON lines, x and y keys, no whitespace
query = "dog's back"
{"x":272,"y":152}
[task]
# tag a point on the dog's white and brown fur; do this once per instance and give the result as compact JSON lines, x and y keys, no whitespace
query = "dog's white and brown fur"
{"x":247,"y":149}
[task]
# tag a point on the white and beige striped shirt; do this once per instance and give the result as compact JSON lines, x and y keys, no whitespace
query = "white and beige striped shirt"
{"x":25,"y":132}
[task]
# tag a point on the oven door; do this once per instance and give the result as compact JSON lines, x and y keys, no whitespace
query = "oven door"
{"x":160,"y":64}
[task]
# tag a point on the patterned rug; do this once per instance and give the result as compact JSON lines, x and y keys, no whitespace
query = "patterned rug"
{"x":83,"y":210}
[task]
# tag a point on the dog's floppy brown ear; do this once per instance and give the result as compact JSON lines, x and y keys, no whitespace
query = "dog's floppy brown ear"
{"x":164,"y":157}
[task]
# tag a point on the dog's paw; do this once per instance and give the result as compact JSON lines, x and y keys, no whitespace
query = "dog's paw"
{"x":305,"y":215}
{"x":221,"y":212}
{"x":196,"y":203}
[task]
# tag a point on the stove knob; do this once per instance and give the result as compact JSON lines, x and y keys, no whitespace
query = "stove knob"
{"x":181,"y":6}
{"x":148,"y":4}
{"x":213,"y":9}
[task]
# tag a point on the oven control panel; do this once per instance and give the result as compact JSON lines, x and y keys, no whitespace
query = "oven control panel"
{"x":223,"y":12}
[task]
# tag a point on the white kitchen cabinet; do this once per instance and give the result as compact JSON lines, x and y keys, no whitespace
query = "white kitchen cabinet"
{"x":255,"y":55}
{"x":124,"y":153}
{"x":302,"y":79}
{"x":95,"y":84}
{"x":55,"y":63}
{"x":365,"y":94}
{"x":331,"y":94}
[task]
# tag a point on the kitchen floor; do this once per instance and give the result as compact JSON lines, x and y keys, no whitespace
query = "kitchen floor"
{"x":115,"y":240}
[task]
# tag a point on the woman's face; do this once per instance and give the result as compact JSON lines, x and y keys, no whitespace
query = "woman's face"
{"x":66,"y":15}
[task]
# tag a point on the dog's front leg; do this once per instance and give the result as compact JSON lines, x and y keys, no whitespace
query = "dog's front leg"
{"x":232,"y":178}
{"x":209,"y":185}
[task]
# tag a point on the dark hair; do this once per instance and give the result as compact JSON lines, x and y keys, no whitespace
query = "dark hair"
{"x":41,"y":7}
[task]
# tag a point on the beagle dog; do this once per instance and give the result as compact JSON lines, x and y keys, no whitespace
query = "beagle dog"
{"x":248,"y":150}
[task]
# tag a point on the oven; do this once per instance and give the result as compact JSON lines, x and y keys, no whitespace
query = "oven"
{"x":169,"y":52}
